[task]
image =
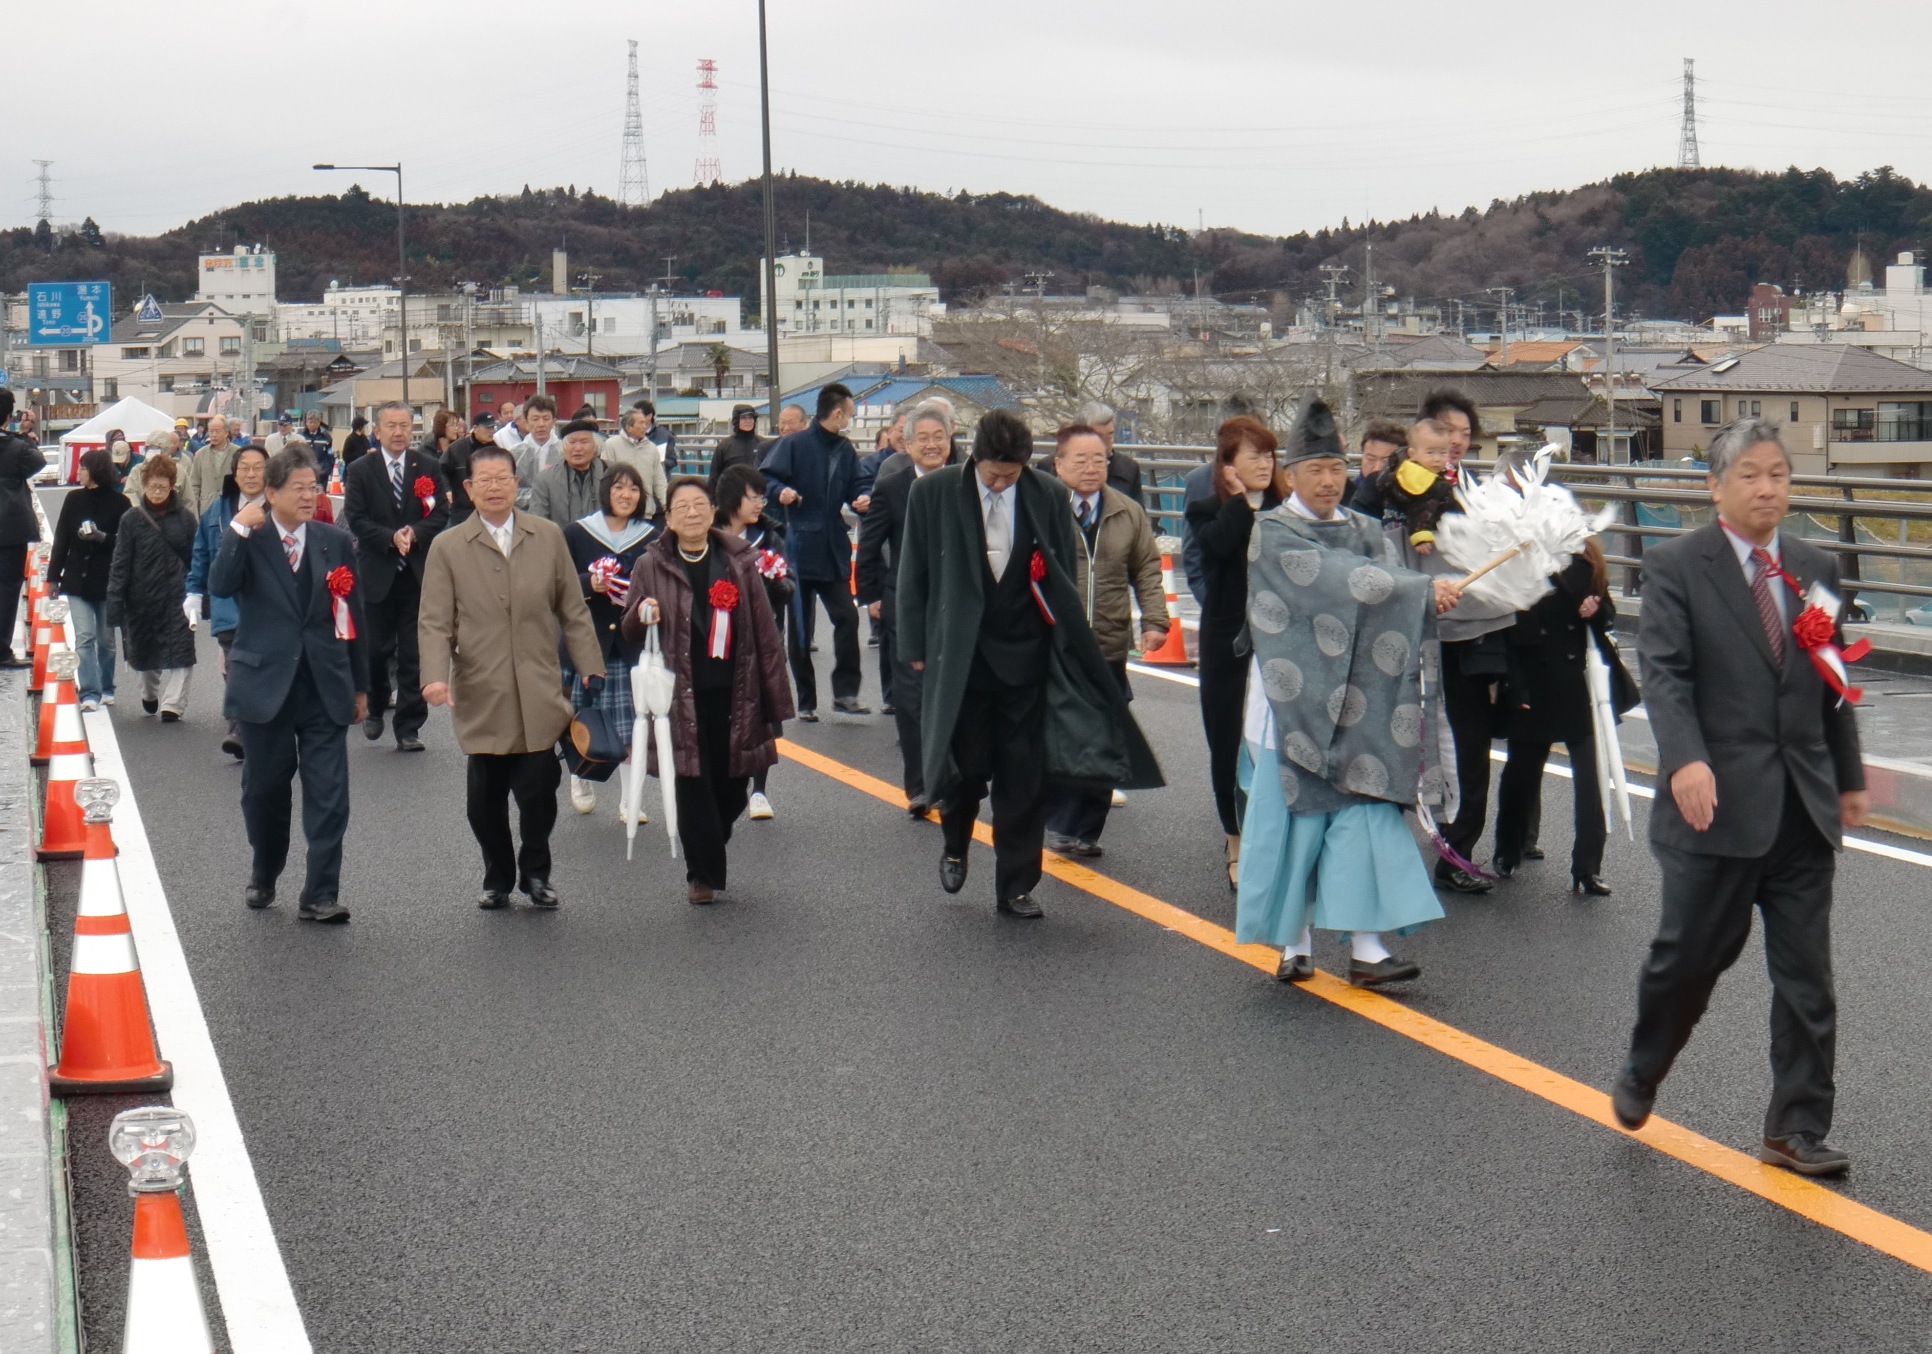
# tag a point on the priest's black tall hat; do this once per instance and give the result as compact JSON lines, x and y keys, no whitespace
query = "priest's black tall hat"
{"x":1314,"y":438}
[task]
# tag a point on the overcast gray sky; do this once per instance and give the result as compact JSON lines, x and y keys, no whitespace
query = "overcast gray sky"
{"x":1257,"y":114}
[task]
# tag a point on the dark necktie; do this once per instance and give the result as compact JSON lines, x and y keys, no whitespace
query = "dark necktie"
{"x":293,"y":551}
{"x":395,"y":480}
{"x":1767,"y":605}
{"x":1086,"y":516}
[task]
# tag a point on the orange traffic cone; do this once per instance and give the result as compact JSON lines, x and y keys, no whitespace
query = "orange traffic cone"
{"x":106,"y":1041}
{"x":164,"y":1311}
{"x":63,"y":827}
{"x":335,"y":479}
{"x":48,"y":631}
{"x":60,"y":722}
{"x":1173,"y":650}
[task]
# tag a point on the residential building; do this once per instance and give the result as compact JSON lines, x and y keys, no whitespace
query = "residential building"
{"x":182,"y":359}
{"x":571,"y":381}
{"x":1500,"y":397}
{"x":812,"y":301}
{"x":241,"y":282}
{"x":1844,"y":408}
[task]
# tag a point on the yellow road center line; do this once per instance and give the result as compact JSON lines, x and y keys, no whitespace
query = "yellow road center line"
{"x":1802,"y":1196}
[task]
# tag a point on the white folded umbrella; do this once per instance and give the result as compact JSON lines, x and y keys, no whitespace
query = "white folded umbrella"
{"x":653,"y":694}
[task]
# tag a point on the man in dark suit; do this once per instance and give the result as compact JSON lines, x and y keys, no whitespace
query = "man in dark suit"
{"x":299,"y":674}
{"x":881,"y":536}
{"x":20,"y":461}
{"x":1014,"y":687}
{"x":1758,"y":771}
{"x":394,"y":525}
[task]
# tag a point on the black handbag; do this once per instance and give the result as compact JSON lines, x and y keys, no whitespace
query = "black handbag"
{"x":1624,"y":696}
{"x":592,"y":748}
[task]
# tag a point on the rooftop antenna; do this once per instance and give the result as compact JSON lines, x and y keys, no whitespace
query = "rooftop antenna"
{"x":633,"y":183}
{"x":1687,"y":138}
{"x":708,"y":171}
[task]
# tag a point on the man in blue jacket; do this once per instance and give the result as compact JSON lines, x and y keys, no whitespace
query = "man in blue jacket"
{"x":302,"y":670}
{"x":817,"y":473}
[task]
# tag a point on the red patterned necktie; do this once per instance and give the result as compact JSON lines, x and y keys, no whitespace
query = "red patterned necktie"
{"x":293,"y":551}
{"x":1767,"y":605}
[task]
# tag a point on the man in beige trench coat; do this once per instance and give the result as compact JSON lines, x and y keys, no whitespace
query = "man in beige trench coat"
{"x":498,"y":591}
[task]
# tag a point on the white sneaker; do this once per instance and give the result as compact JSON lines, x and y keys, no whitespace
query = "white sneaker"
{"x":643,"y":817}
{"x":1119,"y":800}
{"x":583,"y":795}
{"x":90,"y":704}
{"x":760,"y":808}
{"x":107,"y":700}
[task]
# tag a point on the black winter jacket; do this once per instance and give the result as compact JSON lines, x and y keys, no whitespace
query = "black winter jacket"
{"x":20,"y":461}
{"x":149,"y":581}
{"x":81,"y":558}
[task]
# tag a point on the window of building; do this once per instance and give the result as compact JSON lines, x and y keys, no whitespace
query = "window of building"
{"x":1794,"y":411}
{"x":167,"y":385}
{"x":1676,"y":411}
{"x":70,"y":359}
{"x":110,"y":389}
{"x":193,"y":347}
{"x":1905,"y":420}
{"x":260,"y":328}
{"x":1854,"y":425}
{"x":868,"y":305}
{"x":444,"y":314}
{"x":231,"y":345}
{"x":415,"y":345}
{"x":868,"y":324}
{"x":40,"y":364}
{"x":1757,"y":408}
{"x":598,"y":400}
{"x":1710,"y":411}
{"x":610,"y":324}
{"x":134,"y":354}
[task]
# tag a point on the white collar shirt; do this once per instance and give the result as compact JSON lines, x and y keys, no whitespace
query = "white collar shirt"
{"x":505,"y":535}
{"x":1743,"y":548}
{"x":300,"y":534}
{"x":1301,"y":509}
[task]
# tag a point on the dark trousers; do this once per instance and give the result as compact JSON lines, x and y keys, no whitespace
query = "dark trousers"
{"x":1224,"y":696}
{"x":13,"y":573}
{"x":1079,"y":812}
{"x":532,"y":777}
{"x":1519,"y":794}
{"x":837,"y":599}
{"x":908,"y":703}
{"x":887,"y":684}
{"x":710,"y":802}
{"x":304,"y":737}
{"x":392,"y":638}
{"x":1706,"y":919}
{"x":1001,"y":737}
{"x":1468,"y":698}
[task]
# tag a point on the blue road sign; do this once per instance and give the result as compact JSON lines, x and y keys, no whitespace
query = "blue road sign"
{"x":68,"y":314}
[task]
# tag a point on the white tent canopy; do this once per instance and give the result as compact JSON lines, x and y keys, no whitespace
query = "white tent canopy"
{"x":130,"y":415}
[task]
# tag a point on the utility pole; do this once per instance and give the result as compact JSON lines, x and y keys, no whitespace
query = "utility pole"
{"x":469,"y":351}
{"x":540,"y":353}
{"x":1038,"y":281}
{"x":1369,"y":303}
{"x":1332,"y":275}
{"x":1503,"y":311}
{"x":669,"y":259}
{"x":771,"y":226}
{"x":590,"y":310}
{"x":1611,"y":260}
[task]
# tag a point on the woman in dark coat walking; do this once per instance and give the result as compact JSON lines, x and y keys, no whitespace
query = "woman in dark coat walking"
{"x":83,"y":556}
{"x":147,"y":585}
{"x":1549,"y":702}
{"x":604,"y":548}
{"x":700,"y":587}
{"x":1246,"y":482}
{"x":740,"y":511}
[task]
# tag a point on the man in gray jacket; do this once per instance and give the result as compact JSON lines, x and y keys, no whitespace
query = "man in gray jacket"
{"x":1758,"y":772}
{"x":568,"y":489}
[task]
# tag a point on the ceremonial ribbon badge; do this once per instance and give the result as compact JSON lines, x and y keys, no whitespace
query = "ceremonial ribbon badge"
{"x":425,"y":491}
{"x":1816,"y":630}
{"x":724,"y":600}
{"x":772,"y":565}
{"x":1036,"y":571}
{"x":611,"y":570}
{"x":341,"y":583}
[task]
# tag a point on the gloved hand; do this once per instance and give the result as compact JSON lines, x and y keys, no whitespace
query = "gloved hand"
{"x":594,"y":687}
{"x":191,"y":608}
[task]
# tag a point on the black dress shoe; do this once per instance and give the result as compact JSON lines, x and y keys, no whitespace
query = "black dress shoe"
{"x":1091,"y":850}
{"x":1061,"y":842}
{"x":1504,"y":866}
{"x":408,"y":742}
{"x":808,"y":716}
{"x":952,"y":873}
{"x":1390,"y":970}
{"x":492,"y":899}
{"x":232,"y":746}
{"x":258,"y":895}
{"x":170,"y":716}
{"x":1590,"y":884}
{"x":148,"y":707}
{"x":851,"y":707}
{"x":327,"y":910}
{"x":1630,"y":1100}
{"x":372,"y":727}
{"x":1804,"y":1153}
{"x":13,"y":660}
{"x":887,"y":709}
{"x":1461,"y":881}
{"x":1532,"y":852}
{"x":1022,"y":906}
{"x":541,"y":894}
{"x":1295,"y":968}
{"x":917,"y":809}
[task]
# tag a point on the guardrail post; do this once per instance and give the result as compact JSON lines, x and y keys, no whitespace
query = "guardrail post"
{"x":1848,"y":533}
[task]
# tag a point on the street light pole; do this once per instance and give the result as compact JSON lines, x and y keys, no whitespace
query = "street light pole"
{"x":771,"y":226}
{"x":402,"y":265}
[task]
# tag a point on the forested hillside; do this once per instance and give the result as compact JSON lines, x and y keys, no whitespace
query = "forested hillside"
{"x":1697,"y":240}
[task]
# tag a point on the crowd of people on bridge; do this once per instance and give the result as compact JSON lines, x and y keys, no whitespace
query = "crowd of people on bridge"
{"x":519,"y":571}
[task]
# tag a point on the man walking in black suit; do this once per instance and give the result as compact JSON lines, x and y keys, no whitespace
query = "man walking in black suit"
{"x":1758,"y":771}
{"x":396,"y":504}
{"x":882,"y":532}
{"x":298,"y":676}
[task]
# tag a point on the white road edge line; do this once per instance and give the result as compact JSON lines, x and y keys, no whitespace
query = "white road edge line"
{"x":257,"y":1302}
{"x":1865,"y":844}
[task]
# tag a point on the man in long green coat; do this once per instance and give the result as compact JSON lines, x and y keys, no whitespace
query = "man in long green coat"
{"x":1016,"y":689}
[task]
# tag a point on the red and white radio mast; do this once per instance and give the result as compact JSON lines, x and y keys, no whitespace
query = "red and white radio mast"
{"x":708,"y":171}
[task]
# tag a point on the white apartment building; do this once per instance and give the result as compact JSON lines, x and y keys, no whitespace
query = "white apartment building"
{"x":241,"y":282}
{"x":812,"y":301}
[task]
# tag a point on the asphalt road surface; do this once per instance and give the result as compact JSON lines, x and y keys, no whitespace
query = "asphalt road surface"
{"x":846,"y":1112}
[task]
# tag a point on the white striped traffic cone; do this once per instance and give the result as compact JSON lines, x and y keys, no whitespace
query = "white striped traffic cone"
{"x":164,"y":1312}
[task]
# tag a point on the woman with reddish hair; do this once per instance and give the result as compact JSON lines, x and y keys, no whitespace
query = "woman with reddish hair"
{"x":1247,"y":482}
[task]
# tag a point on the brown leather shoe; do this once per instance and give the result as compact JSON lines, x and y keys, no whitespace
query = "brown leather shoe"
{"x":701,"y":893}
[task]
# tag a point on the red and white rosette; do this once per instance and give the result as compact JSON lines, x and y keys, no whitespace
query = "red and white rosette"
{"x":1816,"y":630}
{"x":425,"y":491}
{"x":1036,"y":572}
{"x":724,"y":600}
{"x":773,"y":566}
{"x":610,"y":571}
{"x":342,"y":582}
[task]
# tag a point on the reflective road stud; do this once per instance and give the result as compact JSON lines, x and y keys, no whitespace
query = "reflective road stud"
{"x":164,"y":1313}
{"x":107,"y":1040}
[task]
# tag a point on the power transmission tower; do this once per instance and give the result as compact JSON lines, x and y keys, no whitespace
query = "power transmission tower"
{"x":1610,"y":259}
{"x":1687,"y":139}
{"x":633,"y":183}
{"x":45,"y":194}
{"x":708,"y":171}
